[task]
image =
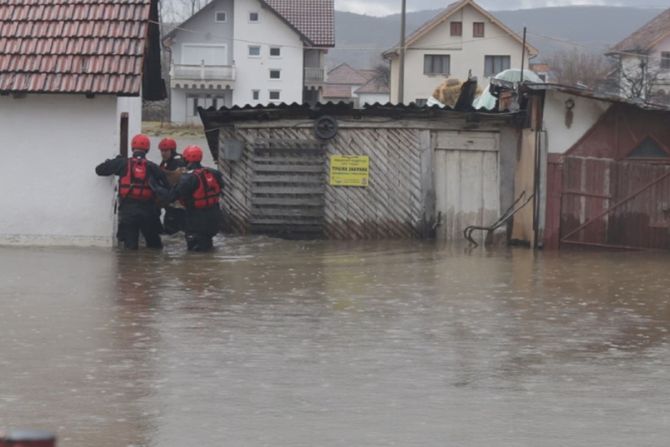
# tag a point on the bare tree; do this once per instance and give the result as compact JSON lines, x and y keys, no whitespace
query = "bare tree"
{"x":639,"y":78}
{"x":382,"y":74}
{"x":577,"y":67}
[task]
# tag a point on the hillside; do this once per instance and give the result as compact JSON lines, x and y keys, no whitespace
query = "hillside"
{"x":361,"y":39}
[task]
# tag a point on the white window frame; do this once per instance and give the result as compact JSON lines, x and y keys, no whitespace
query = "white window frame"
{"x":258,"y":17}
{"x":275,"y":48}
{"x":255,"y":92}
{"x":216,"y":16}
{"x":270,"y":92}
{"x":254,"y":56}
{"x":270,"y":74}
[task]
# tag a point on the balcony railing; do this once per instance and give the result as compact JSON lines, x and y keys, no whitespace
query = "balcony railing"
{"x":204,"y":72}
{"x":314,"y":74}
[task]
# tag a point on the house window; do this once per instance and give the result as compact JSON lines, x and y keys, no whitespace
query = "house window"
{"x":275,"y":51}
{"x":648,"y":148}
{"x":436,"y":64}
{"x":275,"y":95}
{"x":221,"y":17}
{"x":495,"y":64}
{"x":456,"y":28}
{"x":421,"y":102}
{"x":665,"y":60}
{"x":275,"y":74}
{"x":254,"y":17}
{"x":478,"y":29}
{"x":254,"y":51}
{"x":256,"y":95}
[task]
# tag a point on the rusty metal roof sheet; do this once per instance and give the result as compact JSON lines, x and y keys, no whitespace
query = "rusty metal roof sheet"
{"x":73,"y":46}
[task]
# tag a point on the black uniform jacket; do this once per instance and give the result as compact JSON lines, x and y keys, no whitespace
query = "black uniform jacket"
{"x":119,"y":166}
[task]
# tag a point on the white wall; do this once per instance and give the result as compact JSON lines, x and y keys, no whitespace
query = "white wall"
{"x":253,"y":73}
{"x":51,"y":145}
{"x":586,"y":113}
{"x":371,"y":98}
{"x":466,"y":53}
{"x":133,"y":107}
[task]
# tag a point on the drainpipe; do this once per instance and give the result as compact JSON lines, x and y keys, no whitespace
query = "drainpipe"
{"x":401,"y":79}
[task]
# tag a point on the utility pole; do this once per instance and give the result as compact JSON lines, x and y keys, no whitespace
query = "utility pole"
{"x":401,"y":78}
{"x":523,"y":54}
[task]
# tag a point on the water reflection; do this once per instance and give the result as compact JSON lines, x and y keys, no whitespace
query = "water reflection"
{"x":269,"y":342}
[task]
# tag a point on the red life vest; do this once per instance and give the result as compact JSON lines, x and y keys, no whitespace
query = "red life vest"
{"x":135,"y":184}
{"x":207,"y":194}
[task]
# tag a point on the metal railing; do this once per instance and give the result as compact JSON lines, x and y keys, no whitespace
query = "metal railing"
{"x":203,"y":72}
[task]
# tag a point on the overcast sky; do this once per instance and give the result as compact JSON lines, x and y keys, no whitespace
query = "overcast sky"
{"x":385,"y":7}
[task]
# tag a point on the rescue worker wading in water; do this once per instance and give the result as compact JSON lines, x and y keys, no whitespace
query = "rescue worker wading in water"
{"x":173,"y":164}
{"x":199,"y":189}
{"x":138,"y":181}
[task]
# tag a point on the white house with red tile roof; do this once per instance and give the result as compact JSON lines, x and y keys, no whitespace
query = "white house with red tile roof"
{"x":357,"y":86}
{"x":644,"y":59}
{"x":71,"y":76}
{"x":239,"y":52}
{"x":463,"y":39}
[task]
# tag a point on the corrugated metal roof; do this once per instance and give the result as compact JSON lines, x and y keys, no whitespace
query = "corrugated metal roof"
{"x":314,"y":19}
{"x":594,"y":95}
{"x":73,"y":46}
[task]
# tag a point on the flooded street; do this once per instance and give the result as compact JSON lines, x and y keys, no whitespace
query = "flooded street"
{"x":281,"y":343}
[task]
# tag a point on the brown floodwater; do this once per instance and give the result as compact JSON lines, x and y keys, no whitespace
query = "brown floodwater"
{"x":267,"y":342}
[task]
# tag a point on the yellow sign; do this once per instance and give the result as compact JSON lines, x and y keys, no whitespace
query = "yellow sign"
{"x":349,"y":170}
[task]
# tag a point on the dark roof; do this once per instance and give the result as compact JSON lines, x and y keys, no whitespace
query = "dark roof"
{"x":73,"y":46}
{"x":644,"y":39}
{"x":214,"y":119}
{"x":313,"y":19}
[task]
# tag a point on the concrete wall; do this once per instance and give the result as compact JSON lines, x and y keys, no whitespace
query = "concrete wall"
{"x":51,"y":145}
{"x":466,"y":53}
{"x":253,"y":73}
{"x":372,"y":98}
{"x":181,"y":103}
{"x":133,"y":107}
{"x":208,"y":31}
{"x":586,"y":113}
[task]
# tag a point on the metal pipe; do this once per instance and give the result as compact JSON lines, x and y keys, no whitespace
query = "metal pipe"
{"x":401,"y":77}
{"x":523,"y":54}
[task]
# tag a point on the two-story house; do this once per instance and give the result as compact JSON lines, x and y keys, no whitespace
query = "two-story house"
{"x":464,"y":39}
{"x":356,"y":86}
{"x":643,"y":60}
{"x":240,"y":52}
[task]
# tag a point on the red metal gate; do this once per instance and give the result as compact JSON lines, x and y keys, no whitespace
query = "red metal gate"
{"x":618,"y":204}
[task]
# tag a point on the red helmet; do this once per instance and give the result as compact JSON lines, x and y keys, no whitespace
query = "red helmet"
{"x":140,"y":143}
{"x":167,"y":144}
{"x":192,"y":154}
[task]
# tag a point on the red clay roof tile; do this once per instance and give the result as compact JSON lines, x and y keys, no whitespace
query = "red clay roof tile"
{"x":73,"y":46}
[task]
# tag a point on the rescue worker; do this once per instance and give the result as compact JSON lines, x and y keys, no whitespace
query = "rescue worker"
{"x":173,"y":165}
{"x":199,"y":189}
{"x":140,"y":181}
